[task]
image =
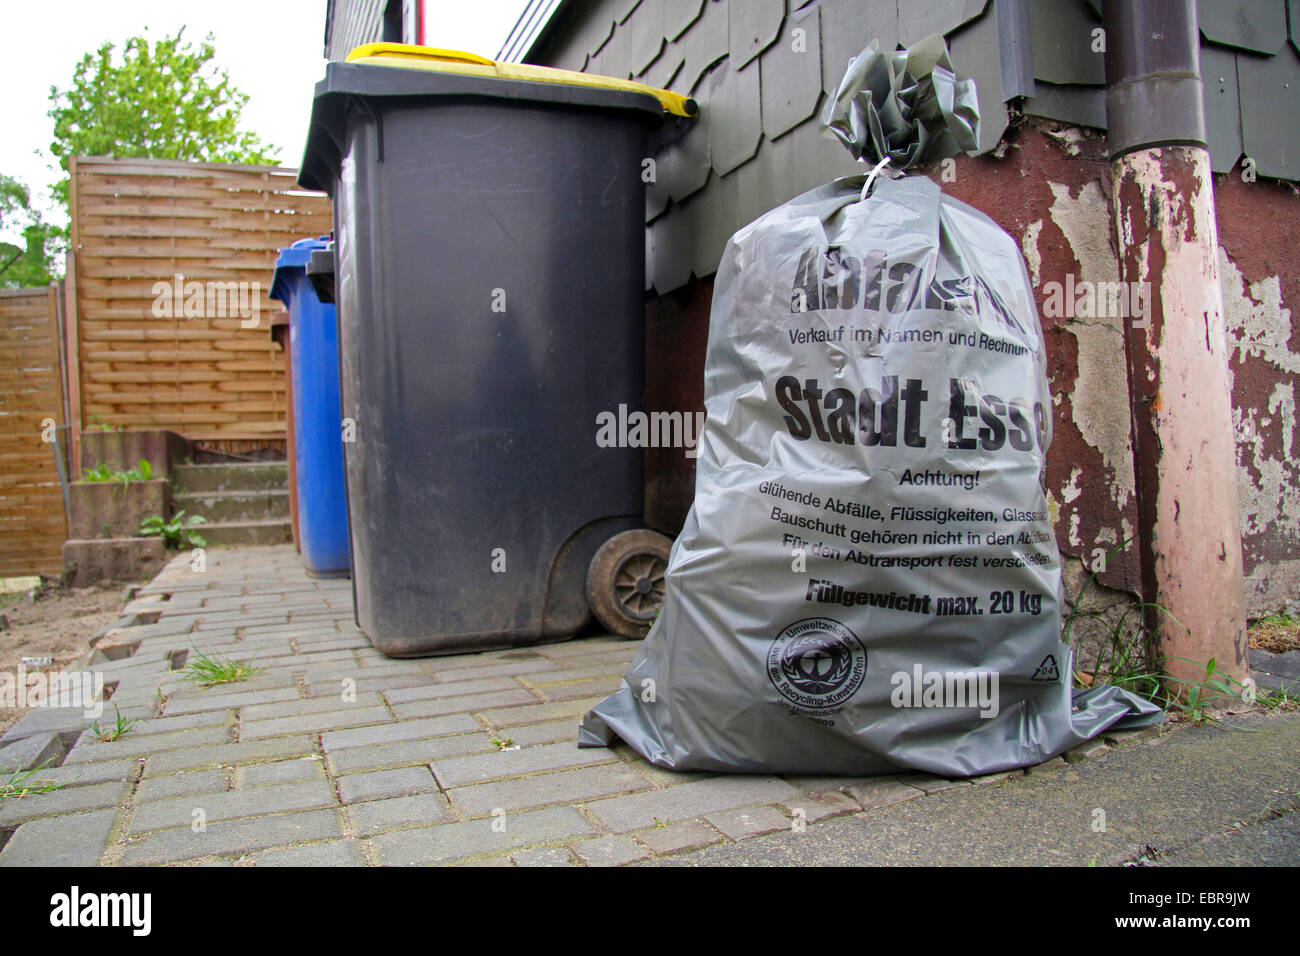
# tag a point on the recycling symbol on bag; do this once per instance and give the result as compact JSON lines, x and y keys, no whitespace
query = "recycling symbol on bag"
{"x":817,"y":663}
{"x":1047,"y":671}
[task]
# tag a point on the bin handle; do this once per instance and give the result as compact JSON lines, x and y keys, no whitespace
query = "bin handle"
{"x":417,"y":53}
{"x":474,"y":64}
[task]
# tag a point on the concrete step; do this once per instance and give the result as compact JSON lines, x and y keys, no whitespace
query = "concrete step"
{"x":246,"y":532}
{"x":227,"y":506}
{"x":250,"y":476}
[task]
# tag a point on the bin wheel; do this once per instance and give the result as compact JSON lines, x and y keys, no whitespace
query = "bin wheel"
{"x":625,"y":581}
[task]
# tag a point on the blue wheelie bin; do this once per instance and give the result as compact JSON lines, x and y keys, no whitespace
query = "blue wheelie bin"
{"x":317,"y":415}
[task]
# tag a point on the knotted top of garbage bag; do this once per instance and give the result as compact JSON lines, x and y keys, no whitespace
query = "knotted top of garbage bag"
{"x":907,"y":106}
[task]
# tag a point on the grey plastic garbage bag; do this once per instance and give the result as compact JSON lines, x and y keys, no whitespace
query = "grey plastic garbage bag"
{"x":867,"y":580}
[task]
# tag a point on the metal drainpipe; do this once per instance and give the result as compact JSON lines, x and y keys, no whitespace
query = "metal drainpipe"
{"x":1184,"y":452}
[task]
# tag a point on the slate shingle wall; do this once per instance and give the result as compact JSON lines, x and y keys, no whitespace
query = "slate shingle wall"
{"x":761,"y":70}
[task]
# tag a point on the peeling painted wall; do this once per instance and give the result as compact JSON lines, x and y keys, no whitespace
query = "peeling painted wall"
{"x":1259,"y":235}
{"x":1049,"y":187}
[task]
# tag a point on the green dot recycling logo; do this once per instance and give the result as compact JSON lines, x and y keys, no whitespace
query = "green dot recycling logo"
{"x":817,"y":664}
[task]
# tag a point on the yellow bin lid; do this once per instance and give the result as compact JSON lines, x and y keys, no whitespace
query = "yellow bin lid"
{"x":407,"y":56}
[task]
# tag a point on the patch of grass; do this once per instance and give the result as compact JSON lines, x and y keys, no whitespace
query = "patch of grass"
{"x":1125,"y":661}
{"x":502,"y":743}
{"x":117,"y":729}
{"x":1276,"y":700}
{"x":210,"y":671}
{"x":20,"y":784}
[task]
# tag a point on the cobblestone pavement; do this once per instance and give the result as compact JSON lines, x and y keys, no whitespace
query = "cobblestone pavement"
{"x":333,"y":754}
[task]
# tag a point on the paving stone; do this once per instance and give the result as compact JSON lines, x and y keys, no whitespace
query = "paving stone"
{"x":567,"y":675}
{"x":458,"y":771}
{"x":58,"y":720}
{"x":281,"y":771}
{"x":95,"y":796}
{"x":185,"y":784}
{"x":542,"y":856}
{"x":660,"y":776}
{"x":1093,"y":748}
{"x":314,"y":723}
{"x":449,"y":841}
{"x":227,"y":701}
{"x":586,"y":647}
{"x":232,"y":804}
{"x":437,"y":706}
{"x":1047,"y":766}
{"x":750,"y":821}
{"x":358,"y":685}
{"x":222,"y":755}
{"x":429,"y":691}
{"x":376,"y":816}
{"x":406,"y":752}
{"x":30,"y":752}
{"x":331,"y":853}
{"x":503,"y":656}
{"x":74,"y":840}
{"x":688,"y":800}
{"x":379,"y":784}
{"x":609,"y":851}
{"x":928,"y":782}
{"x":337,"y":642}
{"x":403,"y":730}
{"x":506,"y":717}
{"x":544,"y":789}
{"x":448,"y":673}
{"x":1117,"y":738}
{"x":298,"y":708}
{"x":592,"y":690}
{"x":991,"y":778}
{"x":819,"y":806}
{"x":162,"y":725}
{"x":818,"y":783}
{"x":678,"y":838}
{"x":883,"y":791}
{"x":239,"y":836}
{"x":100,"y":771}
{"x":87,"y":748}
{"x":550,"y":732}
{"x":337,"y":671}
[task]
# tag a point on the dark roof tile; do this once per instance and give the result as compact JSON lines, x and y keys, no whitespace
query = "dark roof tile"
{"x":847,"y":27}
{"x":1270,"y":103}
{"x":735,"y":115}
{"x":1222,"y":110}
{"x":754,"y":25}
{"x":704,"y":44}
{"x":647,"y":34}
{"x":680,"y":14}
{"x":791,"y":82}
{"x":1255,"y":25}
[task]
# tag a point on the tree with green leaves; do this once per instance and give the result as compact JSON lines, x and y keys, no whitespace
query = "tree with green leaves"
{"x":165,"y":100}
{"x":27,"y":244}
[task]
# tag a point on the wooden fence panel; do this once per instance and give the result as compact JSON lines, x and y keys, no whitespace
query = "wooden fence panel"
{"x":147,"y":357}
{"x":32,"y":522}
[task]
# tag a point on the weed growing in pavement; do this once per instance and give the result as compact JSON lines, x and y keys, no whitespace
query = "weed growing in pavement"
{"x":1124,"y":661}
{"x":209,"y":671}
{"x":110,"y":732}
{"x":20,"y":784}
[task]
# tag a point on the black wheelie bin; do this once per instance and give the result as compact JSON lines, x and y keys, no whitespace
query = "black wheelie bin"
{"x":489,"y":279}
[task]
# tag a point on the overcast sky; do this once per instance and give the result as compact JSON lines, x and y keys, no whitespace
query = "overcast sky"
{"x":273,"y":49}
